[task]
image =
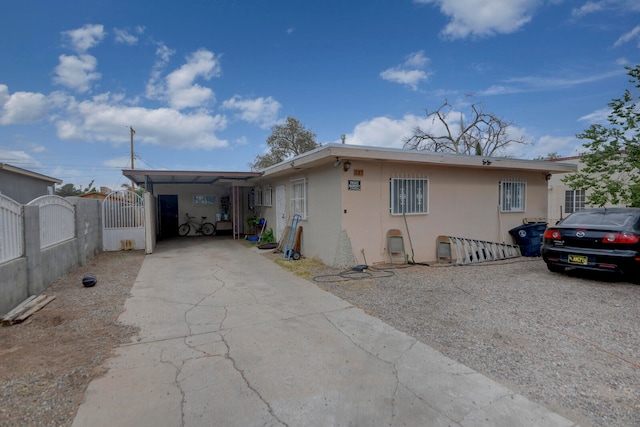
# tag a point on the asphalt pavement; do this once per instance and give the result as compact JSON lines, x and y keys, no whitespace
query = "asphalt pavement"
{"x":229,"y":338}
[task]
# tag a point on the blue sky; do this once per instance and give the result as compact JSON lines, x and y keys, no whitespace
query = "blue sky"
{"x":203,"y":82}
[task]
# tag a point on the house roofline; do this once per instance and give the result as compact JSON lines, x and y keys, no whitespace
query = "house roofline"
{"x":25,"y":172}
{"x":329,"y":152}
{"x":563,"y":159}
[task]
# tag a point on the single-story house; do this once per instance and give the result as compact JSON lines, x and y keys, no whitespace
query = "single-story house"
{"x":350,"y":198}
{"x":563,"y":200}
{"x":24,"y":185}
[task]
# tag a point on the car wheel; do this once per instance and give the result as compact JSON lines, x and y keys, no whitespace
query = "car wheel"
{"x":555,"y":268}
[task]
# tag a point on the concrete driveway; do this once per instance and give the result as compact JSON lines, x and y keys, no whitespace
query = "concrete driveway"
{"x":228,"y":338}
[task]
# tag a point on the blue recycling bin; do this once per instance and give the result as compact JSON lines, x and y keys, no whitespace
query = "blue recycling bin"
{"x":529,"y":237}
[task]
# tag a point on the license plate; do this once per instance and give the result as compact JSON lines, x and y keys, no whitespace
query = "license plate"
{"x":578,"y":259}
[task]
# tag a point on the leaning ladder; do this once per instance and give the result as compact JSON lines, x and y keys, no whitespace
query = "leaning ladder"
{"x":468,"y":251}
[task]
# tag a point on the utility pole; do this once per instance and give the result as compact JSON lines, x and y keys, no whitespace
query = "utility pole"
{"x":132,"y":132}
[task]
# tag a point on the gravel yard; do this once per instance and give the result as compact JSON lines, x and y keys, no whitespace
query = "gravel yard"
{"x":569,"y":342}
{"x":47,"y":362}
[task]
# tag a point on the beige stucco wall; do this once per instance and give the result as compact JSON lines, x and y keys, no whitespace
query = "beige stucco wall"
{"x":321,"y":230}
{"x":463,"y":202}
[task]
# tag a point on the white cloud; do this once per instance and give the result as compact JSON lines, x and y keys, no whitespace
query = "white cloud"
{"x":410,"y":72}
{"x":631,"y":35}
{"x":410,"y":78}
{"x":260,"y":111}
{"x":547,"y":144}
{"x":587,"y":8}
{"x":387,"y":132}
{"x":563,"y":145}
{"x":535,"y":83}
{"x":181,"y":88}
{"x":76,"y":72}
{"x":18,"y":158}
{"x":124,"y":36}
{"x":416,"y":59}
{"x":596,"y":117}
{"x":484,"y":17}
{"x":155,"y":88}
{"x":83,"y":39}
{"x":92,"y":120}
{"x":241,"y":141}
{"x":600,"y":5}
{"x":21,"y":107}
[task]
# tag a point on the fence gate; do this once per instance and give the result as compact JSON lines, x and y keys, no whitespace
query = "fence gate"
{"x":123,"y":221}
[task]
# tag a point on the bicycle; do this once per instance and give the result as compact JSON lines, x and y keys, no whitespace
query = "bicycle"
{"x":202,"y":227}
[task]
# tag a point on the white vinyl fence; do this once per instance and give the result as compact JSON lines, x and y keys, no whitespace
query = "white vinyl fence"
{"x":11,"y":229}
{"x":43,"y":240}
{"x":57,"y":220}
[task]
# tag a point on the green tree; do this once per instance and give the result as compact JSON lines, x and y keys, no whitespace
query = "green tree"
{"x":71,"y":190}
{"x":611,"y":171}
{"x":89,"y":188}
{"x":287,"y":140}
{"x":139,"y":191}
{"x":482,"y":134}
{"x":68,"y":190}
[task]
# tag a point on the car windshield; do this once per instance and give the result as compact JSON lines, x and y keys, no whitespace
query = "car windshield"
{"x":602,"y":218}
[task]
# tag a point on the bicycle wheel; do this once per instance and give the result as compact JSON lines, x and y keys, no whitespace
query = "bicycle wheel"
{"x":184,"y":229}
{"x":208,"y":229}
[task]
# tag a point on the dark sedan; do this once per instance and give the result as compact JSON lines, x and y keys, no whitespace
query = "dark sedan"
{"x":604,"y":239}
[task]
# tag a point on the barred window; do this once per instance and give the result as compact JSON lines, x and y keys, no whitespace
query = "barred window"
{"x":573,"y":200}
{"x":267,"y":196}
{"x":299,"y":197}
{"x":512,"y":195}
{"x":409,"y":196}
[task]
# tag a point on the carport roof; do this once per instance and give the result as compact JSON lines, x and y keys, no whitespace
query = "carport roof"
{"x":155,"y":177}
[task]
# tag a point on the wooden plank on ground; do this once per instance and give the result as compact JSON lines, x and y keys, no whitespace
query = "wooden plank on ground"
{"x":18,"y":309}
{"x":9,"y":320}
{"x":26,"y":309}
{"x":35,"y":308}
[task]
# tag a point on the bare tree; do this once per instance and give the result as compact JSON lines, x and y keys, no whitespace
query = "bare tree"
{"x":484,"y":134}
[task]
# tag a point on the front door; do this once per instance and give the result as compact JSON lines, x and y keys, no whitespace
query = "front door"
{"x":168,"y":215}
{"x":280,"y":211}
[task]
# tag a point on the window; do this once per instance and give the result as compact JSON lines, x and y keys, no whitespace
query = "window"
{"x":267,"y":196}
{"x":512,"y":196}
{"x":299,"y":197}
{"x":204,"y":199}
{"x":258,"y":200}
{"x":573,"y":200}
{"x":409,"y":196}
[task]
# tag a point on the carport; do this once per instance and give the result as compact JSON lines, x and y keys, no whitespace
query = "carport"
{"x":223,"y":197}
